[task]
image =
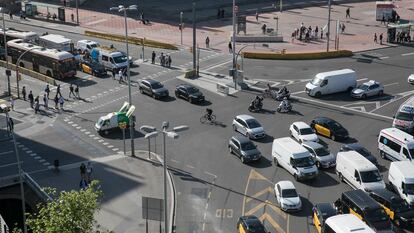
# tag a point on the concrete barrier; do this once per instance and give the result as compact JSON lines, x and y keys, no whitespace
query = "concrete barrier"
{"x":223,"y":89}
{"x":297,"y":56}
{"x":132,"y":40}
{"x":30,"y":73}
{"x":258,"y":38}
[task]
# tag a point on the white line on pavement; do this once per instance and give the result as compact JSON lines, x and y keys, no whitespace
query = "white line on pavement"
{"x":10,"y":164}
{"x":407,"y":54}
{"x":298,"y":92}
{"x":216,"y":65}
{"x":385,"y":57}
{"x":7,"y":152}
{"x":389,"y":84}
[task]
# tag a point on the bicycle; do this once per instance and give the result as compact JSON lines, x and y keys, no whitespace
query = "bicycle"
{"x":205,"y":118}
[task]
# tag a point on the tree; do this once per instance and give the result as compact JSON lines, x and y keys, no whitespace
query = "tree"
{"x":68,"y":212}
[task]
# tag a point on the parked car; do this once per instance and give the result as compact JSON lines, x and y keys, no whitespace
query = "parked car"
{"x":371,"y":88}
{"x":287,"y":197}
{"x":302,"y":132}
{"x":322,"y":156}
{"x":189,"y":92}
{"x":250,"y":224}
{"x":248,"y":126}
{"x":92,"y":67}
{"x":411,"y":79}
{"x":244,"y":149}
{"x":321,"y":212}
{"x":153,"y":88}
{"x":329,"y":128}
{"x":361,"y":150}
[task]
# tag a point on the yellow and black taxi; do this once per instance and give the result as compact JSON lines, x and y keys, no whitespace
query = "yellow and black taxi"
{"x":321,"y":212}
{"x":397,"y":209}
{"x":360,"y":204}
{"x":329,"y":128}
{"x":250,"y":224}
{"x":92,"y":67}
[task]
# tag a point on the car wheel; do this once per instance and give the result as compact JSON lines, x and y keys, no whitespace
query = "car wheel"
{"x":364,"y":96}
{"x":380,"y":93}
{"x":318,"y":94}
{"x":191,"y":100}
{"x":154,"y":96}
{"x":230,"y":150}
{"x":106,"y":132}
{"x":275,"y":162}
{"x":176,"y":95}
{"x":333,"y":137}
{"x":242,"y":159}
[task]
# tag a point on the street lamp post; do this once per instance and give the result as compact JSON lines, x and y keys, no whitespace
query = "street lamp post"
{"x":234,"y":45}
{"x":329,"y":26}
{"x":17,"y":68}
{"x":123,"y":9}
{"x":4,"y":36}
{"x":181,"y":26}
{"x":171,"y":134}
{"x":277,"y":24}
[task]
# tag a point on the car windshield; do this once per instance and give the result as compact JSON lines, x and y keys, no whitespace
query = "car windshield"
{"x":253,"y":123}
{"x":120,"y":59}
{"x":303,"y":162}
{"x":248,"y":146}
{"x":334,"y":125}
{"x":364,"y":152}
{"x":376,"y":215}
{"x":156,"y":85}
{"x":370,"y":176}
{"x":255,"y":226}
{"x":192,"y":90}
{"x":94,"y":45}
{"x":322,"y":151}
{"x":409,"y":189}
{"x":363,"y":87}
{"x":306,"y":131}
{"x":405,"y":116}
{"x":289,"y":193}
{"x":316,"y":81}
{"x":399,"y":206}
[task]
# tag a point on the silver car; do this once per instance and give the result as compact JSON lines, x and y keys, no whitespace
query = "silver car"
{"x":367,"y":89}
{"x":322,"y":156}
{"x":248,"y":126}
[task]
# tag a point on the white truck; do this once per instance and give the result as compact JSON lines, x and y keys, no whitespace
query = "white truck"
{"x":113,"y":120}
{"x":59,"y":42}
{"x":331,"y":82}
{"x":111,"y":58}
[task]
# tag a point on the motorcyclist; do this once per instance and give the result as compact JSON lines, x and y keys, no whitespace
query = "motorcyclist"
{"x":258,"y":102}
{"x":209,"y":112}
{"x":283,"y":91}
{"x":285,"y":103}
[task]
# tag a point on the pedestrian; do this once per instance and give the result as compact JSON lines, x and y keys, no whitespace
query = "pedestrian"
{"x":61,"y":102}
{"x":207,"y":42}
{"x":222,"y":13}
{"x":113,"y":74}
{"x":31,"y":99}
{"x":230,"y":47}
{"x":11,"y":15}
{"x":54,"y":16}
{"x":348,"y":13}
{"x":316,"y":32}
{"x":77,"y":91}
{"x":82,"y":170}
{"x":162,"y":59}
{"x":24,"y":93}
{"x":264,"y":28}
{"x":381,"y":37}
{"x":375,"y":38}
{"x":169,"y":61}
{"x":89,"y":171}
{"x":72,"y":16}
{"x":343,"y":28}
{"x":37,"y":105}
{"x":321,"y":32}
{"x":56,"y":99}
{"x":10,"y":123}
{"x":257,"y":16}
{"x":12,"y":103}
{"x":120,"y":74}
{"x":45,"y":101}
{"x":153,"y":55}
{"x":218,"y":13}
{"x":57,"y":90}
{"x":47,"y":90}
{"x":293,"y":37}
{"x":71,"y":90}
{"x":83,"y":184}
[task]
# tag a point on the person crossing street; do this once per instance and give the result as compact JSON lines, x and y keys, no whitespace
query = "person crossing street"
{"x":71,"y":91}
{"x":31,"y":99}
{"x":24,"y":93}
{"x":47,"y":90}
{"x":77,"y":92}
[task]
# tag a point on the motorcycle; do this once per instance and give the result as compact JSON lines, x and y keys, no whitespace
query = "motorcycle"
{"x":255,"y":107}
{"x":284,"y":108}
{"x":282,"y":94}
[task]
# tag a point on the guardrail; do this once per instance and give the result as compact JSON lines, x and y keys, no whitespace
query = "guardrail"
{"x":30,"y":73}
{"x":297,"y":56}
{"x":132,"y":40}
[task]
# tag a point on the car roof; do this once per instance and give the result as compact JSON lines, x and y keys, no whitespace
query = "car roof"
{"x":324,"y":119}
{"x":361,"y":199}
{"x":185,"y":85}
{"x":286,"y":184}
{"x":326,"y":208}
{"x":241,"y":139}
{"x":385,"y":194}
{"x":312,"y":145}
{"x":371,"y":82}
{"x":251,"y":220}
{"x":245,"y":117}
{"x":301,"y":124}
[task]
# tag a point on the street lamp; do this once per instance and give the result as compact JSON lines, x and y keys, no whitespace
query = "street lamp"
{"x":238,"y":53}
{"x":329,"y":26}
{"x":234,"y":45}
{"x":181,"y":26}
{"x":17,"y":67}
{"x":2,"y":9}
{"x":171,"y":134}
{"x":123,"y":9}
{"x":277,"y":24}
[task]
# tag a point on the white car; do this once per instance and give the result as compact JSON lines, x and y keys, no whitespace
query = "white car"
{"x":303,"y":132}
{"x":287,"y":197}
{"x":248,"y":126}
{"x":411,"y":79}
{"x":368,"y":89}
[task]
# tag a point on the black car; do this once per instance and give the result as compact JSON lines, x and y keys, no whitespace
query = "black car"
{"x":153,"y":88}
{"x":189,"y":92}
{"x":397,"y":209}
{"x":244,"y":148}
{"x":250,"y":224}
{"x":329,"y":128}
{"x":92,"y":67}
{"x":361,"y":150}
{"x":321,"y":212}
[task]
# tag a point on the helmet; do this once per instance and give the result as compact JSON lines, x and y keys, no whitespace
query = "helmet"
{"x":285,"y":98}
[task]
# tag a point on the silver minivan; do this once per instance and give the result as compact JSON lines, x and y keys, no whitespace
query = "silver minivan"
{"x":322,"y":156}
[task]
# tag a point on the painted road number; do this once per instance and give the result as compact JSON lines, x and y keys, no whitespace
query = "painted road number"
{"x":224,"y":213}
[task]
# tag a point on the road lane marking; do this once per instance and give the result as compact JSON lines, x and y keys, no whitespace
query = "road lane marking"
{"x":216,"y":65}
{"x":389,"y":84}
{"x":7,"y":152}
{"x":385,"y":57}
{"x":272,"y":222}
{"x":210,"y":174}
{"x":258,"y":194}
{"x":404,"y":94}
{"x":407,"y":54}
{"x":10,"y":164}
{"x":189,"y":166}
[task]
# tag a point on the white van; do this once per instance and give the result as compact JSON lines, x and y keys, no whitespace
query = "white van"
{"x":111,"y":58}
{"x":358,"y":171}
{"x":86,"y":45}
{"x":404,"y":118}
{"x":293,"y":157}
{"x":396,"y":145}
{"x":54,"y":41}
{"x":332,"y":82}
{"x":401,"y":178}
{"x":346,"y":223}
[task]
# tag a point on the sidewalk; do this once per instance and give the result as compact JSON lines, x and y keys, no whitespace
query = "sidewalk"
{"x":122,"y":208}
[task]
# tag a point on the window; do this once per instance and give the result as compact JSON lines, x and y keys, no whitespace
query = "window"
{"x":104,"y":58}
{"x":392,"y":145}
{"x":324,"y":83}
{"x":295,"y":128}
{"x":405,"y":152}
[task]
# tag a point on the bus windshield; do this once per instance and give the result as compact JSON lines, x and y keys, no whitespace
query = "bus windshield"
{"x":67,"y":65}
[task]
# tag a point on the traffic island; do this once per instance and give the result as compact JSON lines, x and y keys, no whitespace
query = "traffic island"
{"x":297,"y":56}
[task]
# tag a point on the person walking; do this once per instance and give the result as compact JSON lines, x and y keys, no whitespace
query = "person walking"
{"x":207,"y":42}
{"x":37,"y":104}
{"x":11,"y":103}
{"x":57,"y":91}
{"x":343,"y":28}
{"x":89,"y":172}
{"x":153,"y":55}
{"x":82,"y":170}
{"x":61,"y":102}
{"x":348,"y":13}
{"x":113,"y":74}
{"x":24,"y":93}
{"x":230,"y":47}
{"x":10,"y":123}
{"x":264,"y":28}
{"x":381,"y":37}
{"x":45,"y":101}
{"x":218,"y":13}
{"x":31,"y":99}
{"x":257,"y":16}
{"x":77,"y":91}
{"x":169,"y":61}
{"x":222,"y":13}
{"x":56,"y":99}
{"x":120,"y":74}
{"x":71,"y":90}
{"x":375,"y":38}
{"x":321,"y":32}
{"x":11,"y":15}
{"x":316,"y":32}
{"x":47,"y":90}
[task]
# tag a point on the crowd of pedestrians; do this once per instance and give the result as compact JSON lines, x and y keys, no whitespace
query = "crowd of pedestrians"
{"x":165,"y":60}
{"x":306,"y":34}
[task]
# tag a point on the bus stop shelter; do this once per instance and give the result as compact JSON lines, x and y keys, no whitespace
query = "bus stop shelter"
{"x":396,"y":29}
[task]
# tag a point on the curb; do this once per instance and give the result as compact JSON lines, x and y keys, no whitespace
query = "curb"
{"x":297,"y":56}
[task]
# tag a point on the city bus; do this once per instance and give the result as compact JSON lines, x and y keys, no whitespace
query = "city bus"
{"x":50,"y":62}
{"x":11,"y":34}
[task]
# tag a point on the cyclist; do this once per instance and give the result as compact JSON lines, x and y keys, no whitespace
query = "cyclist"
{"x":209,"y":112}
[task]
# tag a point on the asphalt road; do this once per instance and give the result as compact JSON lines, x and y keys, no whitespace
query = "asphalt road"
{"x":213,"y":188}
